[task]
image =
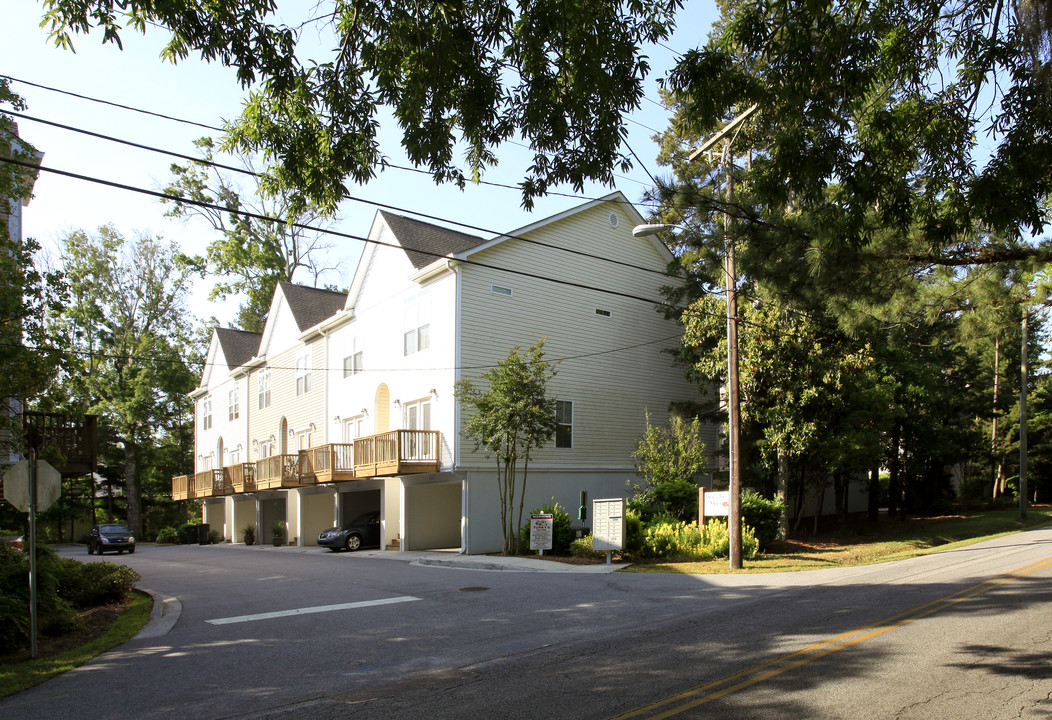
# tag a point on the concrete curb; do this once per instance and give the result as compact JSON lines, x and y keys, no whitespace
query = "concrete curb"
{"x":165,"y":614}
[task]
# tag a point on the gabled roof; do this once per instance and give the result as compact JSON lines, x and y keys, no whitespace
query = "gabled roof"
{"x":310,"y":306}
{"x":424,"y":243}
{"x":238,"y":346}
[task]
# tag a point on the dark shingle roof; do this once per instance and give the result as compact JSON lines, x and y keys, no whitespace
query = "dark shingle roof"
{"x":424,"y":243}
{"x":238,"y":346}
{"x":312,"y":305}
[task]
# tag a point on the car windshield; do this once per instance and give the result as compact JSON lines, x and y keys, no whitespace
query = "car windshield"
{"x":114,"y":529}
{"x":363,"y":519}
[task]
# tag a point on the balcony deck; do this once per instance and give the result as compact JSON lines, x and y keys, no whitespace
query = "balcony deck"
{"x":398,"y":452}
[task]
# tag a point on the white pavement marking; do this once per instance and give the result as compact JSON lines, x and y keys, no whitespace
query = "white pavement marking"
{"x":309,"y":610}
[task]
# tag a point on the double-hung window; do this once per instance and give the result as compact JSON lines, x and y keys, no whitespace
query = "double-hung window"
{"x":303,"y":372}
{"x":206,"y":413}
{"x":264,"y":389}
{"x":233,"y":405}
{"x":417,"y":327}
{"x":352,"y":364}
{"x":563,"y":424}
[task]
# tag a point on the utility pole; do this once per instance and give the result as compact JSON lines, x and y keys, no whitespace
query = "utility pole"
{"x":1024,"y":382}
{"x":734,"y":518}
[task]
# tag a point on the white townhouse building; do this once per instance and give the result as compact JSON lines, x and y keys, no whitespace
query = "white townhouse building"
{"x":349,"y":401}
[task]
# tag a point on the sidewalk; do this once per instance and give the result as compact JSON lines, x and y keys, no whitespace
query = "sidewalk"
{"x":489,"y":563}
{"x":452,"y":559}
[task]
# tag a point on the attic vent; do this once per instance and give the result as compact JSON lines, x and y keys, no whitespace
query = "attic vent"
{"x":614,"y":220}
{"x":500,"y":290}
{"x":603,"y":313}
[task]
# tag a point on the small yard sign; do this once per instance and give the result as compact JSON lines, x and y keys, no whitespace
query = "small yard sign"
{"x":541,"y":531}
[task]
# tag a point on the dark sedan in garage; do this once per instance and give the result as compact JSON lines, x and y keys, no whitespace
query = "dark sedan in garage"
{"x":363,"y":531}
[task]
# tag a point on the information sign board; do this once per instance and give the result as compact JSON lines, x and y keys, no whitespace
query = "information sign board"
{"x":717,"y":504}
{"x":541,"y":531}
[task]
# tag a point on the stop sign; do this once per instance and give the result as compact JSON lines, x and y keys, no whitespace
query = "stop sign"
{"x":16,"y":485}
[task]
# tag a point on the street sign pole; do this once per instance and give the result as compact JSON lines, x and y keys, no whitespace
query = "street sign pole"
{"x":33,"y":552}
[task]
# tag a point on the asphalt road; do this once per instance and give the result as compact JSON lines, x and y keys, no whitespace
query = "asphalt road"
{"x":267,"y":633}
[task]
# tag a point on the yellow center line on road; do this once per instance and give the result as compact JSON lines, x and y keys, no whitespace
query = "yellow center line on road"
{"x":751,"y":676}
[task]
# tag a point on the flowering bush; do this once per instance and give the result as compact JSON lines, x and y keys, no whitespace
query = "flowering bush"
{"x":665,"y":538}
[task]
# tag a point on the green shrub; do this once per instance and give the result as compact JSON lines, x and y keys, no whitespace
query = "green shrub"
{"x":189,"y":533}
{"x":763,"y":515}
{"x":168,"y":535}
{"x":973,"y":491}
{"x":215,"y":537}
{"x":87,"y":585}
{"x":55,"y":615}
{"x":562,"y":533}
{"x":633,"y":533}
{"x":582,"y":547}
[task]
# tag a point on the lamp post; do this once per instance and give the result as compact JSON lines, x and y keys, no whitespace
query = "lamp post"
{"x":734,"y":522}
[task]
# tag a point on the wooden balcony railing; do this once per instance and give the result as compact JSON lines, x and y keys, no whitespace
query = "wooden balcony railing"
{"x":329,"y":463}
{"x":399,"y":452}
{"x":210,"y":483}
{"x":241,"y":477}
{"x":279,"y":471}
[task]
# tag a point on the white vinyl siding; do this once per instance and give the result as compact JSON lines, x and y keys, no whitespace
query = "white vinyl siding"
{"x":614,"y":368}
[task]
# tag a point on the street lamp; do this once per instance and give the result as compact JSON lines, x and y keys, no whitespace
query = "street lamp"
{"x":734,"y":523}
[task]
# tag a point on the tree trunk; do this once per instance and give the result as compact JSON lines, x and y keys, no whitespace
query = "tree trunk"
{"x":893,"y":472}
{"x":131,"y":480}
{"x":873,"y":509}
{"x":995,"y":467}
{"x":840,"y":483}
{"x":820,"y":500}
{"x":783,"y":494}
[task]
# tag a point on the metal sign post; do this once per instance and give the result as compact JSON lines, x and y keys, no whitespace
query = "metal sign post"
{"x":32,"y":485}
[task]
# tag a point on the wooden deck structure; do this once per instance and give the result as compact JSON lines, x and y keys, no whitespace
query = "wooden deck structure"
{"x":398,"y":452}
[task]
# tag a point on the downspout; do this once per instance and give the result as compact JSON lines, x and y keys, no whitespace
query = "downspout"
{"x":465,"y":505}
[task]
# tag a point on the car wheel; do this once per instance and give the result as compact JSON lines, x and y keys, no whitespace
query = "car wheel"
{"x":130,"y":552}
{"x":91,"y":550}
{"x":98,"y":549}
{"x":353,"y":542}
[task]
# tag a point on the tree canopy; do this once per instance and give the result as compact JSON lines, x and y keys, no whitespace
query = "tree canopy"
{"x":921,"y":129}
{"x":461,"y":78}
{"x":251,"y":255}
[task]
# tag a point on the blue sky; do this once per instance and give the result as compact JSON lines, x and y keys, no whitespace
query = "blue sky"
{"x":206,"y":94}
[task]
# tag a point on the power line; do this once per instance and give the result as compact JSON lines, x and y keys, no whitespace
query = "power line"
{"x":394,"y":208}
{"x":403,"y":168}
{"x":113,"y":104}
{"x":323,"y":231}
{"x":124,"y":357}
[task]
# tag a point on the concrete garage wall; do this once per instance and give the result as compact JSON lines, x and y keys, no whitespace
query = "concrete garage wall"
{"x":315,"y":515}
{"x":390,"y":513}
{"x":292,"y":518}
{"x":432,"y":516}
{"x":213,"y":512}
{"x":242,"y":512}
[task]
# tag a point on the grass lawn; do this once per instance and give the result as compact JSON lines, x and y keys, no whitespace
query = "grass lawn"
{"x":864,"y":543}
{"x":106,"y":628}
